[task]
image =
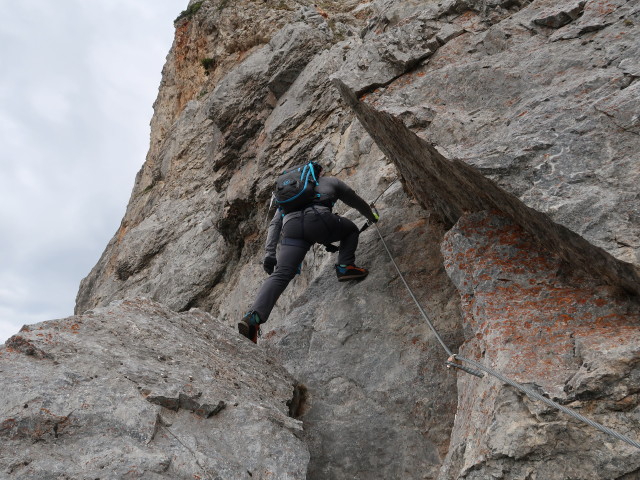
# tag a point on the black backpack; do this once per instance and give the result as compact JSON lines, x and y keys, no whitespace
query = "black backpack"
{"x":295,"y":187}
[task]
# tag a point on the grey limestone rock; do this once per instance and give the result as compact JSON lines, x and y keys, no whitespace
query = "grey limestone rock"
{"x":452,"y":187}
{"x":526,"y":109}
{"x":134,"y":390}
{"x":293,"y":47}
{"x":538,"y":115}
{"x":558,"y":334}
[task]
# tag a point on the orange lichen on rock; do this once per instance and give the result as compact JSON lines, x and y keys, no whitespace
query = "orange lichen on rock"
{"x":522,"y":309}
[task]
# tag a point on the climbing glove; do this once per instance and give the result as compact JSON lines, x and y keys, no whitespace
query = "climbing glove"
{"x":376,"y":215}
{"x":269,"y":264}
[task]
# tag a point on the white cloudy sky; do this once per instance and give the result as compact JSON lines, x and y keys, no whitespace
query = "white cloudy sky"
{"x":77,"y":83}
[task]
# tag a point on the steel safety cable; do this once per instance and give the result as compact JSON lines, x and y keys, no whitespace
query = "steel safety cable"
{"x":492,"y":372}
{"x":422,"y":312}
{"x":385,"y":190}
{"x":548,"y":401}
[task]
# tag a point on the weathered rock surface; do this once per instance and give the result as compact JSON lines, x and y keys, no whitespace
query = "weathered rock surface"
{"x":134,"y":390}
{"x":528,"y":109}
{"x":571,"y":339}
{"x":547,"y":113}
{"x":452,"y":187}
{"x":380,"y":401}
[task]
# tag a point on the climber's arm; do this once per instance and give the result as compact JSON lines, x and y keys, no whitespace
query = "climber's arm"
{"x":351,"y":198}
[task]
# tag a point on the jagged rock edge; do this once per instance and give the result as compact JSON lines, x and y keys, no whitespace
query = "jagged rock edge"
{"x":455,"y":188}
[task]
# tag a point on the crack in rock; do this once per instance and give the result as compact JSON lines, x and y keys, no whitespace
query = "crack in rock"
{"x":186,"y":402}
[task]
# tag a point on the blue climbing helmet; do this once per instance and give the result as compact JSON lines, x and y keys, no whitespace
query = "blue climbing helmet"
{"x":296,"y":187}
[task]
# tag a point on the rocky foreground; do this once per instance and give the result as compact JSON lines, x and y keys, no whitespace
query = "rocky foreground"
{"x":134,"y":390}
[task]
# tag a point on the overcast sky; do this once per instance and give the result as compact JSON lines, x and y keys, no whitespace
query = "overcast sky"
{"x":77,"y":83}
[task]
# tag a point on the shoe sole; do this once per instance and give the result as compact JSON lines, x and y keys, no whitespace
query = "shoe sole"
{"x":245,"y":331}
{"x":352,"y":277}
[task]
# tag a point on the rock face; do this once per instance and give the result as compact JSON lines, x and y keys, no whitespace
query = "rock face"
{"x":381,"y":405}
{"x":134,"y":390}
{"x":452,"y":188}
{"x":572,"y":339}
{"x":513,"y":128}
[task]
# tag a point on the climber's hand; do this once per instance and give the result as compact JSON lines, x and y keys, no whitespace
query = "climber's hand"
{"x":376,"y":215}
{"x":269,"y":264}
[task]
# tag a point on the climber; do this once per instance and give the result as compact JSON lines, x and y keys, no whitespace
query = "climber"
{"x":309,"y":223}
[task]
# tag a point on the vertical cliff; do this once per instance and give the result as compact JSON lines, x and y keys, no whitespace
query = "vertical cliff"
{"x":513,"y":128}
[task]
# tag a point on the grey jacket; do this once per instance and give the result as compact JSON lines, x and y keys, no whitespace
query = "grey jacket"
{"x":330,"y":190}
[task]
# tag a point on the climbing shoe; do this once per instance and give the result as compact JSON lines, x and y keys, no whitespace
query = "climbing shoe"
{"x":249,"y":326}
{"x":350,"y":272}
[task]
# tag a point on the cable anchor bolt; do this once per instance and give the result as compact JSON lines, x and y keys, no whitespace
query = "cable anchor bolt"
{"x":452,"y":361}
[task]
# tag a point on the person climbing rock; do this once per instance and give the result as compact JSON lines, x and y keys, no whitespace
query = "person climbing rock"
{"x":304,"y":217}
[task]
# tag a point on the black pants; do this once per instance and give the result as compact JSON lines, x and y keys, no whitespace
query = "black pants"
{"x":314,"y":225}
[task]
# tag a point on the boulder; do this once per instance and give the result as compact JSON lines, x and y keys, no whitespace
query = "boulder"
{"x":135,"y":390}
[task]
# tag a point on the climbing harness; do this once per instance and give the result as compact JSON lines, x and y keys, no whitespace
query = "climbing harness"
{"x":458,"y":361}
